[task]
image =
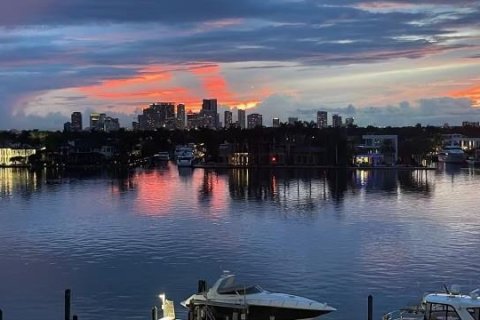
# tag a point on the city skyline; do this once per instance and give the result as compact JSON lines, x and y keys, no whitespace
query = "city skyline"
{"x":380,"y":62}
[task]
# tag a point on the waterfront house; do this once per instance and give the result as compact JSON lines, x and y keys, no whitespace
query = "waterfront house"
{"x":15,"y":156}
{"x":377,"y":150}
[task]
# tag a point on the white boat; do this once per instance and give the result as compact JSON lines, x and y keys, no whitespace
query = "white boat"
{"x":451,"y":154}
{"x":227,"y":300}
{"x":185,"y":157}
{"x":441,"y":306}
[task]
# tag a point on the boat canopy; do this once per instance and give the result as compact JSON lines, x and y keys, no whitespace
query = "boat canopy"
{"x":241,"y":290}
{"x":227,"y":285}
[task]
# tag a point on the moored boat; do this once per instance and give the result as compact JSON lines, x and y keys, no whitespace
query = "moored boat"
{"x":227,"y":300}
{"x":450,"y":305}
{"x":185,"y":155}
{"x":451,"y":154}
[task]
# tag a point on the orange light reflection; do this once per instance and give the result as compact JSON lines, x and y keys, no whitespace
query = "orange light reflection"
{"x":162,"y":192}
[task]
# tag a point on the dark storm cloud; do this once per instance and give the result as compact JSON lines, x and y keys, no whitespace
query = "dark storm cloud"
{"x":56,"y":12}
{"x":303,"y":31}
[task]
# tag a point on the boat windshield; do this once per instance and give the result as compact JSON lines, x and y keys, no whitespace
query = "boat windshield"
{"x":435,"y":311}
{"x":241,"y":290}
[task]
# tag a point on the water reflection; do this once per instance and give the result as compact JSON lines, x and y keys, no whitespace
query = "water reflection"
{"x":333,"y":235}
{"x":450,"y":169}
{"x":309,"y":187}
{"x":393,"y":182}
{"x":16,"y":181}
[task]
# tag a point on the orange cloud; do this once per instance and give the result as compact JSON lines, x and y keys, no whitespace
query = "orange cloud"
{"x":472,"y":93}
{"x":124,"y":87}
{"x":213,"y":83}
{"x":154,"y":83}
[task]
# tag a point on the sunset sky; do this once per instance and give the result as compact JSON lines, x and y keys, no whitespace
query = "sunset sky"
{"x":381,"y":62}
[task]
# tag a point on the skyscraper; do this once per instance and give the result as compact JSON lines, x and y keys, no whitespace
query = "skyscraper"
{"x":292,"y":120}
{"x":76,"y":121}
{"x":157,"y":115}
{"x":241,"y":118}
{"x":322,"y":119}
{"x":209,"y":112}
{"x":276,"y":122}
{"x":349,"y":122}
{"x":181,"y":115}
{"x":94,"y":121}
{"x":336,"y":121}
{"x":100,"y":122}
{"x":228,"y":119}
{"x":111,"y":124}
{"x":254,"y":120}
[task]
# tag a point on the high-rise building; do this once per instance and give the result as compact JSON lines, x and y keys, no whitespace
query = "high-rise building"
{"x":76,"y":121}
{"x":322,"y":120}
{"x":95,"y":121}
{"x":209,"y":112}
{"x":254,"y":120}
{"x":336,"y":121}
{"x":474,"y":124}
{"x":135,"y":126}
{"x":100,"y":122}
{"x":181,"y":116}
{"x":67,"y":126}
{"x":276,"y":122}
{"x":195,"y":120}
{"x":292,"y":120}
{"x":349,"y":122}
{"x":157,"y":115}
{"x":209,"y":105}
{"x":111,"y":124}
{"x":228,"y":120}
{"x":241,"y":118}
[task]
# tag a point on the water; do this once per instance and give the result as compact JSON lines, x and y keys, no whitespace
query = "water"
{"x":332,"y":236}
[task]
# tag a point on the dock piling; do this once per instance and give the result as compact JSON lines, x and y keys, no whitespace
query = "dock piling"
{"x":75,"y":317}
{"x":67,"y":303}
{"x":154,"y":313}
{"x":370,"y":308}
{"x":1,"y":314}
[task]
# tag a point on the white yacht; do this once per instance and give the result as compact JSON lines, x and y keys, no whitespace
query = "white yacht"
{"x":227,"y":300}
{"x":445,"y":306}
{"x":451,"y":154}
{"x":185,"y":156}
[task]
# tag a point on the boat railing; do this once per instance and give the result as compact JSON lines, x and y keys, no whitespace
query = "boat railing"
{"x":414,"y":313}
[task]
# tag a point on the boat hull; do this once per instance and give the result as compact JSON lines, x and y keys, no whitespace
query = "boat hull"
{"x":451,"y":158}
{"x":265,"y":313}
{"x":185,"y":163}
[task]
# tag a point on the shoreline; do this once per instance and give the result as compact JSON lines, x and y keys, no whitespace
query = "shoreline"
{"x":226,"y":166}
{"x":220,"y":166}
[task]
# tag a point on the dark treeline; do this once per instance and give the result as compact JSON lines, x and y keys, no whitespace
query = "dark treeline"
{"x":331,"y":146}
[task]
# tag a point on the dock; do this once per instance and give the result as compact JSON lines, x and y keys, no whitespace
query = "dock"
{"x":168,"y":310}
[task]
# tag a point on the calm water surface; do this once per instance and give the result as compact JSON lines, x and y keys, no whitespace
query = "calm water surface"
{"x":333,"y":236}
